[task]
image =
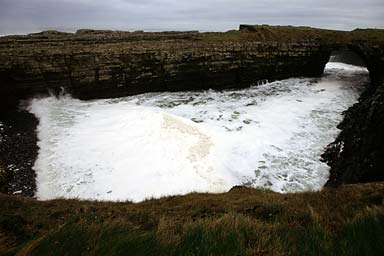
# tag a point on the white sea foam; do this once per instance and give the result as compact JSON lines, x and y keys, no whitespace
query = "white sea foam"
{"x":1,"y":129}
{"x":267,"y":136}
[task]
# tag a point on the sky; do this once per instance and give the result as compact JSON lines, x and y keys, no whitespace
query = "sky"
{"x":25,"y":16}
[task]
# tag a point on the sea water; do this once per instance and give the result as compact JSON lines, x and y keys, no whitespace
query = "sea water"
{"x":268,"y":136}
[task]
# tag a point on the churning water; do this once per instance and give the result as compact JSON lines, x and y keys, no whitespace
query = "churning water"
{"x":266,"y":136}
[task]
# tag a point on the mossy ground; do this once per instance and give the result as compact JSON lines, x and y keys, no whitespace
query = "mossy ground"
{"x":348,"y":220}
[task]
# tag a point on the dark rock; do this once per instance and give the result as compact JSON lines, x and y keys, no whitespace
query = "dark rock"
{"x":357,"y":155}
{"x":238,"y":188}
{"x":18,"y":152}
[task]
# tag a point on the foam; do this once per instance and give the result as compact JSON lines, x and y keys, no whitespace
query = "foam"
{"x":133,"y":148}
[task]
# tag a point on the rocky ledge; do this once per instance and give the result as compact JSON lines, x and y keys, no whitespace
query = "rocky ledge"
{"x":18,"y":152}
{"x":357,"y":155}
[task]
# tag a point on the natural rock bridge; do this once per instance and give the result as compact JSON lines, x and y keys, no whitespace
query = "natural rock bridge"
{"x":101,"y":64}
{"x":94,"y":64}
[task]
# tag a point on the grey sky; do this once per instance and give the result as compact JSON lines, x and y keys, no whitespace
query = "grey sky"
{"x":24,"y":16}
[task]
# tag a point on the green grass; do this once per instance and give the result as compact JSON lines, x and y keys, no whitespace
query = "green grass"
{"x":345,"y":221}
{"x":364,"y":235}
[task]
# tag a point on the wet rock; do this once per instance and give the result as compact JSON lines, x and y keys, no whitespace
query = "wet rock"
{"x":18,"y":152}
{"x":357,"y":155}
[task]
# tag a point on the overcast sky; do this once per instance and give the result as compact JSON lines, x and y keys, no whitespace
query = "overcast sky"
{"x":24,"y":16}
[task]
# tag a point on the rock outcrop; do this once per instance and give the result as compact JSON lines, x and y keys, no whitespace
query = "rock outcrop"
{"x":357,"y":155}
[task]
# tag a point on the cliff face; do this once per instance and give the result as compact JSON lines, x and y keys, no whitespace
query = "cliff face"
{"x":102,"y":64}
{"x":357,"y":155}
{"x":89,"y":66}
{"x":99,"y":64}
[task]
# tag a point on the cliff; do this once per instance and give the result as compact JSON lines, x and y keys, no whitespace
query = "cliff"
{"x":357,"y":155}
{"x":102,"y":65}
{"x":93,"y":64}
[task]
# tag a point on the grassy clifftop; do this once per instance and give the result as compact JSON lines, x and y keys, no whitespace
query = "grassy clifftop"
{"x":348,"y":220}
{"x":266,"y":33}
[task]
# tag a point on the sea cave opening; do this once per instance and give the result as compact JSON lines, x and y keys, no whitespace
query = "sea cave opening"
{"x":348,"y":56}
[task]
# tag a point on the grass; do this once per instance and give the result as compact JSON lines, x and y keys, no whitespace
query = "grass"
{"x":345,"y":221}
{"x":285,"y":34}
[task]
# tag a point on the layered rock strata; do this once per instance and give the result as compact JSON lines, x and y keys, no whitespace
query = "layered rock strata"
{"x":112,"y":67}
